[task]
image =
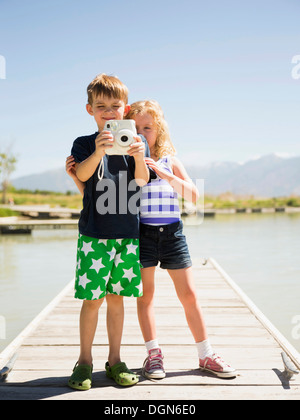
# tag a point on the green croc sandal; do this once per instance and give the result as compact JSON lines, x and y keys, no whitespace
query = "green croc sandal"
{"x":81,"y":378}
{"x":121,"y":374}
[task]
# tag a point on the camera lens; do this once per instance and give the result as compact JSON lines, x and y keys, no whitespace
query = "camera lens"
{"x":108,"y":126}
{"x":124,"y":138}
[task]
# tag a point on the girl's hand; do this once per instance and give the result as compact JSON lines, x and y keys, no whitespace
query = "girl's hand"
{"x":137,"y":149}
{"x":162,"y":173}
{"x":70,"y":167}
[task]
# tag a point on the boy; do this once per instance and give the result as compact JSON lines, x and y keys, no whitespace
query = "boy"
{"x":108,"y":245}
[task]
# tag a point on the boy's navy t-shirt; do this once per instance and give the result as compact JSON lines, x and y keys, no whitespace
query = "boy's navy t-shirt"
{"x":110,"y":205}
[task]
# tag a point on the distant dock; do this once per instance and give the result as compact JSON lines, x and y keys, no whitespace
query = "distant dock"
{"x":46,"y":217}
{"x":45,"y":211}
{"x":39,"y":217}
{"x":41,"y":358}
{"x":25,"y":226}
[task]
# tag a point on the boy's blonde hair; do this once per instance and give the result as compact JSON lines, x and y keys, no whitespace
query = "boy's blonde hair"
{"x":163,"y":145}
{"x":109,"y":86}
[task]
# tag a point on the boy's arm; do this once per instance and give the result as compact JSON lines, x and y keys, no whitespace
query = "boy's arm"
{"x":80,"y":185}
{"x":87,"y":168}
{"x":141,"y":173}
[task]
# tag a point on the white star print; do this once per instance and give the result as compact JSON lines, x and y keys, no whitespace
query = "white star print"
{"x":128,"y":274}
{"x":131,"y":249}
{"x":87,"y":248}
{"x":79,"y":264}
{"x":140,"y":287}
{"x":83,"y":281}
{"x":112,"y":254}
{"x":106,"y":278}
{"x":96,"y":293}
{"x":103,"y":241}
{"x":118,"y":260}
{"x":97,"y":265}
{"x":117,"y":288}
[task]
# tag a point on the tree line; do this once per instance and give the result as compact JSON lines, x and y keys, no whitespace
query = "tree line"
{"x":7,"y":166}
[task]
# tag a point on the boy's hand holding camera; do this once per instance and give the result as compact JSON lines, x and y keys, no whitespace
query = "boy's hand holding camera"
{"x":137,"y":149}
{"x":105,"y":140}
{"x":117,"y":138}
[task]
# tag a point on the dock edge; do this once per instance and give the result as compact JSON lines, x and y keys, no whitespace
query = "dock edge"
{"x":10,"y":351}
{"x":288,"y":348}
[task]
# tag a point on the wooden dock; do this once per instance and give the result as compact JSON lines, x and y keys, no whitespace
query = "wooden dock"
{"x":15,"y":225}
{"x":48,"y":349}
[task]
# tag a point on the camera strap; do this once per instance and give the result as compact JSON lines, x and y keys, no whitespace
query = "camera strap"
{"x":101,"y":170}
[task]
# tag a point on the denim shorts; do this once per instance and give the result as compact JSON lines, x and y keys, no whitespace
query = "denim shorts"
{"x":165,"y":244}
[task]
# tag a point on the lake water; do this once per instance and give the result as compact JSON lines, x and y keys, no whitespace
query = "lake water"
{"x":260,"y":252}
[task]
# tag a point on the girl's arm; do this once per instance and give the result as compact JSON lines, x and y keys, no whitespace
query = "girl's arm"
{"x":71,"y":171}
{"x":179,"y":180}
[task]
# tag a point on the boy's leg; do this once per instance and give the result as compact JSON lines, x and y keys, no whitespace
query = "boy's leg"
{"x":81,"y":378}
{"x":88,"y":325}
{"x":115,"y":322}
{"x":115,"y":369}
{"x":125,"y":280}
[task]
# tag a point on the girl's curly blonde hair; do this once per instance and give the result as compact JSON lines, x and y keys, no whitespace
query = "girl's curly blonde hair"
{"x":163,"y":145}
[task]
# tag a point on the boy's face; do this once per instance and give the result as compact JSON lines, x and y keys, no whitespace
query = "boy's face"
{"x":105,"y":108}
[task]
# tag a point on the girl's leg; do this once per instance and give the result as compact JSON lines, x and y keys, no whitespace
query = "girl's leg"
{"x":153,"y":366}
{"x":208,"y":360}
{"x":145,"y":305}
{"x":115,"y":322}
{"x":186,"y":292}
{"x":88,"y":325}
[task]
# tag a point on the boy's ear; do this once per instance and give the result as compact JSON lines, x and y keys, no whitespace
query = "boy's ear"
{"x":89,"y":109}
{"x":126,"y":110}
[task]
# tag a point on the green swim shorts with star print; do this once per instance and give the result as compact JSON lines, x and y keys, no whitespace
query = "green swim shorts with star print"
{"x":107,"y":266}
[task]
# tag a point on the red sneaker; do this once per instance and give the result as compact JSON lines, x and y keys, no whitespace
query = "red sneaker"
{"x":153,"y":366}
{"x":217,"y":366}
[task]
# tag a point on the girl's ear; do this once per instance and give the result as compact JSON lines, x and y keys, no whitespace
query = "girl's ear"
{"x":89,"y":109}
{"x":126,"y":110}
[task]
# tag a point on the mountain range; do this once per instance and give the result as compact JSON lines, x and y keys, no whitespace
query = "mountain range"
{"x":267,"y":176}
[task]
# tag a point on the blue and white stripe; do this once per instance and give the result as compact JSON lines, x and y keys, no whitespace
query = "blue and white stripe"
{"x":159,"y":202}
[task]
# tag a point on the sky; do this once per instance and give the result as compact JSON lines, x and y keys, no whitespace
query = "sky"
{"x":225,"y":73}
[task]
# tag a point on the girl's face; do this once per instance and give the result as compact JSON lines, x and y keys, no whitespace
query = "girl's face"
{"x":146,"y":126}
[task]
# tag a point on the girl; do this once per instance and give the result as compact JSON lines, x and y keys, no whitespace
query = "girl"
{"x":161,"y":240}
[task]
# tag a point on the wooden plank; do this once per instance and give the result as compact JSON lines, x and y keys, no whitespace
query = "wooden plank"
{"x":56,"y":378}
{"x":183,"y":357}
{"x":49,"y":348}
